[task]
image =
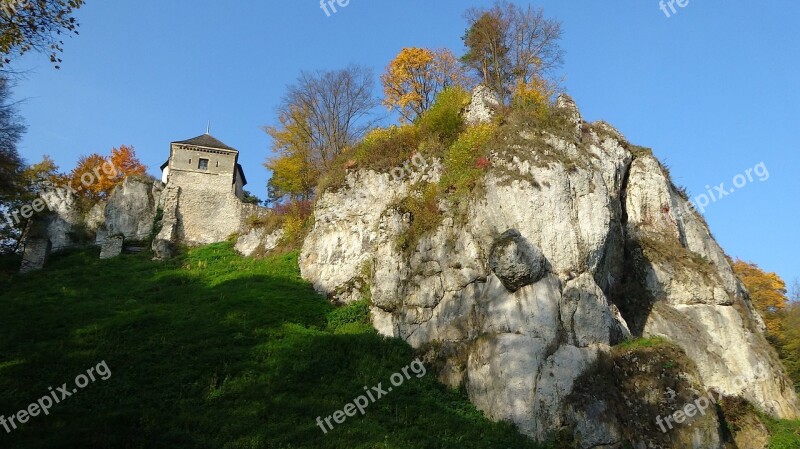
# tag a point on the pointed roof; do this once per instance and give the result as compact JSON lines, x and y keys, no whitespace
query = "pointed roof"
{"x":208,"y":141}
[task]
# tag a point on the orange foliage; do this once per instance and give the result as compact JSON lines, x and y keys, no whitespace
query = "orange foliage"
{"x":96,"y":176}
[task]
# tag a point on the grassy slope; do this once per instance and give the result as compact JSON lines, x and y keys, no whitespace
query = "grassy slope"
{"x":210,"y":351}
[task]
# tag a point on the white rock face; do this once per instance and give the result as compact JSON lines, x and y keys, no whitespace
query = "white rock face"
{"x":62,"y":219}
{"x":258,"y":239}
{"x":483,"y":106}
{"x":520,"y":352}
{"x":131,"y":209}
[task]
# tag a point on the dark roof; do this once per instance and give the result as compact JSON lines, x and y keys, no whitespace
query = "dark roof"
{"x":208,"y":141}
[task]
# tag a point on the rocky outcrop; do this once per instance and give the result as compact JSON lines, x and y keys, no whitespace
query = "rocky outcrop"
{"x":141,"y":209}
{"x":35,"y":254}
{"x":483,"y":106}
{"x":258,"y":241}
{"x":576,"y":242}
{"x":112,"y":247}
{"x":164,"y":242}
{"x":131,"y":208}
{"x":63,"y":219}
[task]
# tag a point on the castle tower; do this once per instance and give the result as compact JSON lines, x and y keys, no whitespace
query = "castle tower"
{"x":205,"y":160}
{"x":205,"y":183}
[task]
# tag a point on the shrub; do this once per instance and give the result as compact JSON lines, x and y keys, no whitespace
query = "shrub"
{"x":294,"y":217}
{"x":425,"y":216}
{"x":385,"y":148}
{"x":444,"y":120}
{"x":465,"y":160}
{"x":534,"y":96}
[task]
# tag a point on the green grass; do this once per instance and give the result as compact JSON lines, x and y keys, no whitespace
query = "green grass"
{"x":785,"y":434}
{"x":638,"y":343}
{"x":211,"y":351}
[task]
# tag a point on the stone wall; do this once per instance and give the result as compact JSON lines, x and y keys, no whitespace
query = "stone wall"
{"x":208,"y":211}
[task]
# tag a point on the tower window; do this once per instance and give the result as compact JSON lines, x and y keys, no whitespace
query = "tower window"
{"x":202,"y":164}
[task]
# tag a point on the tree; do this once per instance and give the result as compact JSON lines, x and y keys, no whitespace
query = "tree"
{"x":487,"y":49}
{"x":95,"y":176}
{"x":768,"y":293}
{"x":36,"y":25}
{"x":320,"y":116}
{"x":790,"y":348}
{"x":34,"y":180}
{"x":249,"y":198}
{"x":795,"y":292}
{"x":509,"y":45}
{"x":11,"y":130}
{"x":294,"y":175}
{"x":416,"y":76}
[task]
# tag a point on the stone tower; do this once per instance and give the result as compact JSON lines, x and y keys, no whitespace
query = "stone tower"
{"x":204,"y":187}
{"x":207,"y":161}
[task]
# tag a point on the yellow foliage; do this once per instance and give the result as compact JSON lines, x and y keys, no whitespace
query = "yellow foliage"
{"x":414,"y":78}
{"x":767,"y":291}
{"x":534,"y":95}
{"x":294,"y":173}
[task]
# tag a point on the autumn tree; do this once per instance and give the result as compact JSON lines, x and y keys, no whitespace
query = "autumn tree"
{"x":320,"y":116}
{"x":294,"y":173}
{"x":96,"y":176}
{"x":37,"y":25}
{"x":416,"y":76}
{"x":11,"y":130}
{"x":508,"y":45}
{"x":790,"y":347}
{"x":768,"y":293}
{"x":34,"y":180}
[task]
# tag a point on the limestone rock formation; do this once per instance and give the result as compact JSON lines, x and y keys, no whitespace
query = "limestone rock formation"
{"x":112,"y":247}
{"x":604,"y":247}
{"x":131,"y":208}
{"x":141,"y":209}
{"x":62,"y":220}
{"x":35,"y":255}
{"x":483,"y":106}
{"x":258,"y":240}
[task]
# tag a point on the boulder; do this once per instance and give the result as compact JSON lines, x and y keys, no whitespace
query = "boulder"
{"x":35,"y":255}
{"x":515,"y":261}
{"x":112,"y":247}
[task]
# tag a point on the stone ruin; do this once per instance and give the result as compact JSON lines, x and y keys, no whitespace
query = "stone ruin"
{"x":197,"y":202}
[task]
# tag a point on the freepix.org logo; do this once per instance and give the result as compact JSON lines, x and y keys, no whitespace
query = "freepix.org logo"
{"x":55,"y":396}
{"x":329,"y":6}
{"x":668,"y":6}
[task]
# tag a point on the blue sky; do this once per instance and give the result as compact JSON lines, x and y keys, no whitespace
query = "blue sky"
{"x":712,"y":89}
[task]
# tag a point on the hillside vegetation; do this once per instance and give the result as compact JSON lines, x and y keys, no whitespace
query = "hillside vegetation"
{"x":211,"y":351}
